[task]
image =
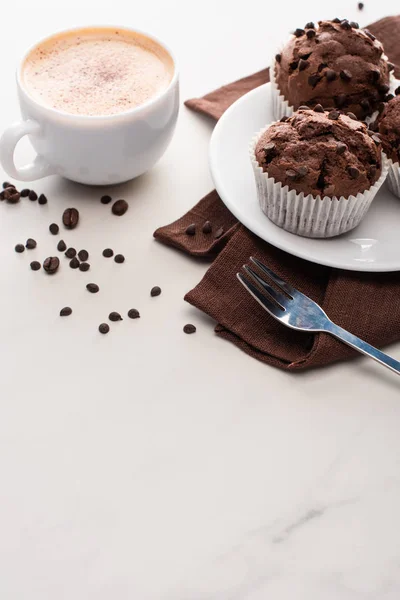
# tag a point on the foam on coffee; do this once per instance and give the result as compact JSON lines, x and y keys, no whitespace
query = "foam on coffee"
{"x":100,"y":71}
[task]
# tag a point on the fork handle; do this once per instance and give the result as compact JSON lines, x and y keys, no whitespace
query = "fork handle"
{"x":363,"y":347}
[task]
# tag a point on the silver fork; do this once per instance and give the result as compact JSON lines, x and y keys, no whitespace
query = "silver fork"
{"x":299,"y":312}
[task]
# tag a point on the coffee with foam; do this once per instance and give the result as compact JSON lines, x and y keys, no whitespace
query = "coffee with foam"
{"x":97,"y":71}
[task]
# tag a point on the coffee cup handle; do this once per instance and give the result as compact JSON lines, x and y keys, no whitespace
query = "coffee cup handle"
{"x":35,"y":170}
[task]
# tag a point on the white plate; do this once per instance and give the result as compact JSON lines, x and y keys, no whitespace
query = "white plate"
{"x":373,"y":246}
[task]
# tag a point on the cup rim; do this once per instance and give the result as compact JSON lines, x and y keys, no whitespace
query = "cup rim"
{"x":120,"y":115}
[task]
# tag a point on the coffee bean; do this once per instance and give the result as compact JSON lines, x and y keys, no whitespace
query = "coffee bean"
{"x":189,"y":328}
{"x":330,"y":75}
{"x":70,"y":253}
{"x":61,"y":246}
{"x":83,"y":255}
{"x":66,"y":311}
{"x":352,"y":116}
{"x":74,"y":263}
{"x":84,"y":266}
{"x":42,"y":199}
{"x":278,"y":58}
{"x":35,"y":265}
{"x":32,"y":195}
{"x":207,"y":227}
{"x":391,"y":66}
{"x":298,"y":32}
{"x":54,"y":228}
{"x":11,"y":195}
{"x":25,"y":193}
{"x":354,"y":25}
{"x":334,"y":115}
{"x":93,"y":288}
{"x":310,"y":33}
{"x":319,"y":108}
{"x":360,"y":5}
{"x":303,"y":64}
{"x":70,"y":218}
{"x":19,"y":248}
{"x":104,"y":328}
{"x":191,"y":229}
{"x":105,"y":199}
{"x":133,"y":313}
{"x":219,"y":233}
{"x":30,"y":244}
{"x":155,"y":291}
{"x":341,"y":148}
{"x":51,"y":264}
{"x":353,"y":172}
{"x":108,"y":252}
{"x":119,"y":208}
{"x":7,"y":184}
{"x":345,"y":75}
{"x":119,"y":258}
{"x":115,"y":316}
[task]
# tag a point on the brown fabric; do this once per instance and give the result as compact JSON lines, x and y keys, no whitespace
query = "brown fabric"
{"x":367,"y":304}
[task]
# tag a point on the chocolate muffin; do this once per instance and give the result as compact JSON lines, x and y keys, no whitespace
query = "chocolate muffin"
{"x":321,"y":153}
{"x":335,"y":64}
{"x":389,"y":129}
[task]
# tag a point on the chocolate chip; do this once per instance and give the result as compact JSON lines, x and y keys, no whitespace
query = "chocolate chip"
{"x":370,"y":35}
{"x":313,"y":80}
{"x":74,"y":263}
{"x":391,"y":66}
{"x":51,"y":264}
{"x":304,"y":107}
{"x":372,"y":171}
{"x":303,"y":64}
{"x":219,"y":233}
{"x":334,"y":115}
{"x":30,"y":244}
{"x":381,"y":107}
{"x":269,"y":151}
{"x":11,"y":195}
{"x":19,"y":248}
{"x":318,"y":108}
{"x":375,"y":138}
{"x":35,"y":265}
{"x":293,"y":65}
{"x":133,"y":313}
{"x":70,"y":218}
{"x":341,"y":148}
{"x":309,"y":25}
{"x":7,"y":184}
{"x":42,"y":199}
{"x":360,"y":5}
{"x":115,"y":316}
{"x":25,"y":193}
{"x":105,"y":199}
{"x":397,"y":91}
{"x":32,"y":195}
{"x":189,"y":328}
{"x":365,"y":104}
{"x":108,"y":252}
{"x":119,"y":208}
{"x":336,"y":20}
{"x":298,"y":32}
{"x":93,"y":288}
{"x":61,"y":246}
{"x":278,"y":58}
{"x":341,"y":100}
{"x":207,"y":227}
{"x":345,"y":75}
{"x":310,"y":33}
{"x":389,"y":97}
{"x":66,"y":311}
{"x":384,"y":88}
{"x":104,"y":328}
{"x":70,"y":253}
{"x":291,"y":174}
{"x":345,"y":24}
{"x":84,"y":266}
{"x":54,"y":228}
{"x":330,"y":75}
{"x":119,"y":258}
{"x":352,"y":116}
{"x":83,"y":255}
{"x":353,"y":172}
{"x":155,"y":291}
{"x":191,"y":229}
{"x":354,"y":25}
{"x":374,"y":75}
{"x":284,"y":119}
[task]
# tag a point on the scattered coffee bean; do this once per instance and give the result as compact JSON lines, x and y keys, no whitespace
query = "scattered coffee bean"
{"x":70,"y":218}
{"x":11,"y":195}
{"x":189,"y":328}
{"x":83,"y":255}
{"x":108,"y":252}
{"x":303,"y":64}
{"x":353,"y":172}
{"x":119,"y":258}
{"x":334,"y":115}
{"x":155,"y":291}
{"x":341,"y":148}
{"x":319,"y":108}
{"x":119,"y":208}
{"x":352,"y":116}
{"x":7,"y":184}
{"x":133,"y":313}
{"x":32,"y":195}
{"x":360,"y":5}
{"x":30,"y":244}
{"x":191,"y":229}
{"x":218,"y":233}
{"x":70,"y":253}
{"x":93,"y":288}
{"x":84,"y":266}
{"x":19,"y":248}
{"x":115,"y":316}
{"x":330,"y":75}
{"x":74,"y":263}
{"x":345,"y":75}
{"x":310,"y":33}
{"x":61,"y":246}
{"x":35,"y":265}
{"x":54,"y":228}
{"x":278,"y":58}
{"x":298,"y":32}
{"x":104,"y":328}
{"x":51,"y":264}
{"x":207,"y":227}
{"x":105,"y":199}
{"x":25,"y":193}
{"x":42,"y":199}
{"x":66,"y":311}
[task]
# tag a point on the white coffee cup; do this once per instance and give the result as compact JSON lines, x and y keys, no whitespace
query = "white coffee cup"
{"x":96,"y":150}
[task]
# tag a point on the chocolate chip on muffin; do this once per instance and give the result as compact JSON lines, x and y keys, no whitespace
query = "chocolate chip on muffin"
{"x":389,"y":129}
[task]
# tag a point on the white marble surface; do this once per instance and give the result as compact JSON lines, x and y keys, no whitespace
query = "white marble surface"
{"x":151,"y":465}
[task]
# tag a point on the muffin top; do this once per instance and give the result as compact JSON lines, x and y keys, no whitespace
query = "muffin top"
{"x":335,"y":64}
{"x":321,"y":153}
{"x":389,"y":128}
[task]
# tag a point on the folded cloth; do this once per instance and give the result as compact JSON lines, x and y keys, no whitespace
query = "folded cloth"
{"x":367,"y":304}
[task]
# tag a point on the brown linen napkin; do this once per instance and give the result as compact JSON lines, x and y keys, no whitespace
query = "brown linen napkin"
{"x":366,"y":304}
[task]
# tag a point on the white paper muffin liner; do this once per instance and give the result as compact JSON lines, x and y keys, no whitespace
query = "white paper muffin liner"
{"x":393,"y":176}
{"x":308,"y":215}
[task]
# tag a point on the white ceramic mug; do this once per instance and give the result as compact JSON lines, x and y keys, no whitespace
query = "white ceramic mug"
{"x":97,"y":150}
